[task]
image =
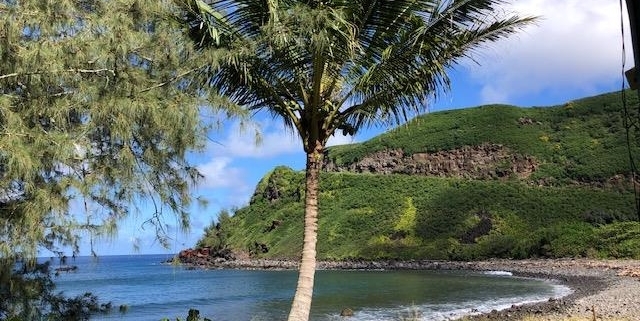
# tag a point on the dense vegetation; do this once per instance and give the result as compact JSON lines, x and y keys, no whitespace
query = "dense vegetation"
{"x":581,"y":140}
{"x":100,"y":104}
{"x":28,"y":293}
{"x":580,"y":211}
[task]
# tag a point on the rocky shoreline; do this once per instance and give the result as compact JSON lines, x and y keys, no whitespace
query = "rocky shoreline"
{"x":606,"y":289}
{"x":602,"y":289}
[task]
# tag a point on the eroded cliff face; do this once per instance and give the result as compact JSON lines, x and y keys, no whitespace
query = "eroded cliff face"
{"x":486,"y":161}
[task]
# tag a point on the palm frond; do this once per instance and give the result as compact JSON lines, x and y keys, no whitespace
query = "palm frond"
{"x":341,"y":62}
{"x":400,"y":75}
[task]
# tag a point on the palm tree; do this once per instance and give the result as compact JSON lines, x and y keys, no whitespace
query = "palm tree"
{"x":331,"y":66}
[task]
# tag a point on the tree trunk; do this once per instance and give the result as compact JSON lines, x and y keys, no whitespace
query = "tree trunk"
{"x":301,"y":305}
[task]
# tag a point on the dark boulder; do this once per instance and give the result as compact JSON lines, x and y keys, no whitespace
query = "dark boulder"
{"x":346,"y":312}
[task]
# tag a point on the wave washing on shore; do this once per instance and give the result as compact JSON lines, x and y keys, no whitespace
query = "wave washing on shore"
{"x":443,"y":312}
{"x":503,"y":273}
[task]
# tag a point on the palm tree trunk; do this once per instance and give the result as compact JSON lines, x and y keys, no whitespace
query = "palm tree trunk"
{"x":301,"y":305}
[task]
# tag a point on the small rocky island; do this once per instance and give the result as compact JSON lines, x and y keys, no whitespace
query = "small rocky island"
{"x":205,"y":257}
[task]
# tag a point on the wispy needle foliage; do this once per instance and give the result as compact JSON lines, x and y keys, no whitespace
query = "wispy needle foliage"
{"x":98,"y":109}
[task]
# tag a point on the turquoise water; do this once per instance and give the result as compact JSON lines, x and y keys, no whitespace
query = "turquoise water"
{"x":153,"y":291}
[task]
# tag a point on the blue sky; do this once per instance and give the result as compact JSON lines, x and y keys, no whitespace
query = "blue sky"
{"x":574,"y":51}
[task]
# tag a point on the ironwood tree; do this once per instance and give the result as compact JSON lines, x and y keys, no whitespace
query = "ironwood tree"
{"x":98,"y":110}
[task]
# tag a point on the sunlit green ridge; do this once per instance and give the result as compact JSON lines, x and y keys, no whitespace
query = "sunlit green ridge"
{"x":577,"y":202}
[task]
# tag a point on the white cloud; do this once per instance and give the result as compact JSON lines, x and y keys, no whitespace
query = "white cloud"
{"x":235,"y":161}
{"x":218,"y":172}
{"x":491,"y":94}
{"x":263,"y":140}
{"x":267,"y":139}
{"x":576,"y":45}
{"x":339,"y":139}
{"x":221,"y":169}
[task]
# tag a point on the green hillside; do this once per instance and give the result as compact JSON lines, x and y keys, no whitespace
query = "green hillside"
{"x":577,"y":202}
{"x":582,"y":139}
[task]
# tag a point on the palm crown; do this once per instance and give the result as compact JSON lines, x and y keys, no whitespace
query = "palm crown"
{"x":323,"y":66}
{"x":340,"y":64}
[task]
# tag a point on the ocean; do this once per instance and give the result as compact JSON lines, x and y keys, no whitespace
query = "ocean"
{"x":152,"y":290}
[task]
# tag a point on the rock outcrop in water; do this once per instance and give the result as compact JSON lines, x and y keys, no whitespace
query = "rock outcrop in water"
{"x":205,"y":256}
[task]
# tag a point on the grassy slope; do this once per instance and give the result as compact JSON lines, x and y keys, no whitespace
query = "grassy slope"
{"x":398,"y":216}
{"x":583,"y":139}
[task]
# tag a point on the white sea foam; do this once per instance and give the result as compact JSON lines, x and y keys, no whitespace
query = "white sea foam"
{"x":444,"y":312}
{"x":500,"y":273}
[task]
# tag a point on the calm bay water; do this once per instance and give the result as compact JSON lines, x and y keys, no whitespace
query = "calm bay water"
{"x":153,"y":291}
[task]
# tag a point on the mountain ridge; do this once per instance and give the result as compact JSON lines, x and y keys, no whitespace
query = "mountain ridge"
{"x":490,"y":181}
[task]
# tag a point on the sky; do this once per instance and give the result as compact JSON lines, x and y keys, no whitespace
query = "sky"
{"x":573,"y":51}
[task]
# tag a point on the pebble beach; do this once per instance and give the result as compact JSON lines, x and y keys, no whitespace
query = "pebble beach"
{"x":602,"y":289}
